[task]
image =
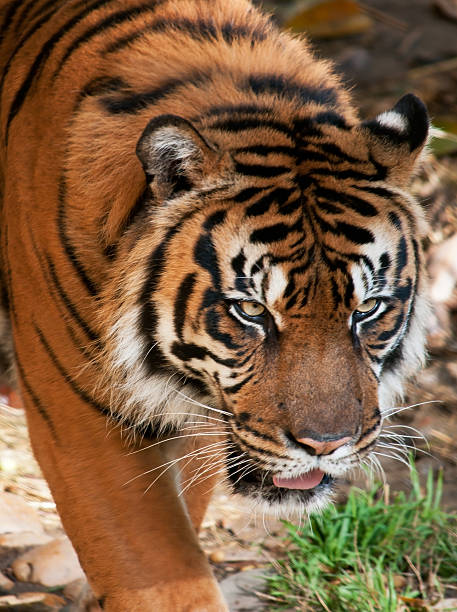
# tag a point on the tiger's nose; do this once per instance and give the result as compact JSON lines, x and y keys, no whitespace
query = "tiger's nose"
{"x":322,"y":445}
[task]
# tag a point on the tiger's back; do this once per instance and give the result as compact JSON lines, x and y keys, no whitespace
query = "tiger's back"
{"x":196,"y":225}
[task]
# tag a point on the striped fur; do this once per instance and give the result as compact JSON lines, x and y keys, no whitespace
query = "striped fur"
{"x":167,"y":166}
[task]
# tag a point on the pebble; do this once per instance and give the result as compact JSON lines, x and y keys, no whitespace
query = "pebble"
{"x":36,"y":602}
{"x":217,"y":556}
{"x":239,"y":590}
{"x":23,"y":539}
{"x":52,"y":564}
{"x":5,"y":583}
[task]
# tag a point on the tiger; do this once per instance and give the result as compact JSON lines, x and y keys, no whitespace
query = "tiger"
{"x":211,"y":268}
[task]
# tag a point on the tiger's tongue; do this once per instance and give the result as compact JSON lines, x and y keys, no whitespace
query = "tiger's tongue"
{"x":305,"y":481}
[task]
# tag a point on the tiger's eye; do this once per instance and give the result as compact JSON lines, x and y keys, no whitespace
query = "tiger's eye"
{"x":252,"y":309}
{"x":367,"y":306}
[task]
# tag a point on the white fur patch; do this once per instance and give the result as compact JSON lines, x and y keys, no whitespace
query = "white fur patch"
{"x":393,"y":120}
{"x":144,"y":398}
{"x":276,"y":285}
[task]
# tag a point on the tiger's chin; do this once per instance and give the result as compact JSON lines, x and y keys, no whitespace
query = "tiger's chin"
{"x":284,"y":502}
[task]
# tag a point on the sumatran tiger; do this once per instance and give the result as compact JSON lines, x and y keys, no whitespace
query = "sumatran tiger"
{"x":210,"y":266}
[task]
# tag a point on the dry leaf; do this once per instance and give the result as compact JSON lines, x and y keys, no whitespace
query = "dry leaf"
{"x":331,"y":19}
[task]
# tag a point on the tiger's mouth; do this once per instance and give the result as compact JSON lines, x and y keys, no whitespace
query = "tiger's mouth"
{"x":308,"y":490}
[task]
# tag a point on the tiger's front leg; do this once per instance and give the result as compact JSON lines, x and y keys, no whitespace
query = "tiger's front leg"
{"x":138,"y":548}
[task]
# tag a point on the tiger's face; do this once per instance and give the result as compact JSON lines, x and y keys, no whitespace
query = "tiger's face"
{"x":282,"y":293}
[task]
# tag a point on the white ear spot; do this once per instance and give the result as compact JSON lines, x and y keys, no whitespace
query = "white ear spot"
{"x":394,"y":121}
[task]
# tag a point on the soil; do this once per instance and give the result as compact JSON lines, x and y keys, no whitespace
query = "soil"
{"x":406,"y":46}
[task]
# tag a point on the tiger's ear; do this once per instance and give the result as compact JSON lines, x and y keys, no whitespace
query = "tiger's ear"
{"x":397,"y":137}
{"x":174,"y":156}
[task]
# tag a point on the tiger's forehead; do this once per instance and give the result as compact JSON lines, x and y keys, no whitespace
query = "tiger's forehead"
{"x":298,"y":268}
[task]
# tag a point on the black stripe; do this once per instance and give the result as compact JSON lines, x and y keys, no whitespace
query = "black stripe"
{"x":236,"y":109}
{"x":332,"y":118}
{"x":66,"y":244}
{"x":231,"y":32}
{"x":216,"y":218}
{"x":139,"y":209}
{"x":212,"y":325}
{"x":266,"y":150}
{"x":274,"y":233}
{"x":205,"y":255}
{"x":290,"y":207}
{"x":388,"y":334}
{"x":332,"y":149}
{"x":403,"y":293}
{"x":361,"y":207}
{"x":394,"y":220}
{"x":69,"y":304}
{"x":401,"y":257}
{"x":9,"y":275}
{"x":261,"y":170}
{"x":50,"y":4}
{"x":382,"y":192}
{"x":330,"y":209}
{"x":22,"y":41}
{"x":251,"y":123}
{"x":238,"y":262}
{"x":10,"y":15}
{"x":180,"y":306}
{"x":305,"y":155}
{"x":254,"y":432}
{"x":36,"y":400}
{"x":152,"y":355}
{"x":278,"y":196}
{"x":248,"y":193}
{"x":280,"y":85}
{"x":112,"y":21}
{"x":199,"y":30}
{"x":77,"y":390}
{"x":187,"y":351}
{"x":135,"y":102}
{"x":62,"y":311}
{"x":344,"y":174}
{"x":43,"y":55}
{"x":235,"y":388}
{"x":357,"y":235}
{"x":99,"y":86}
{"x":396,"y":354}
{"x":27,"y":7}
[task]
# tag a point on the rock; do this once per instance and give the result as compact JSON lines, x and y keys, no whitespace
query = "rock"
{"x":81,"y":596}
{"x":51,"y":565}
{"x":35,"y":602}
{"x":448,"y":8}
{"x":23,"y":539}
{"x":445,"y":605}
{"x":16,"y":515}
{"x":5,"y":583}
{"x":239,"y":590}
{"x":217,"y":556}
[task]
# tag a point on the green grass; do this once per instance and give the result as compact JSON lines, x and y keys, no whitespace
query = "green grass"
{"x":371,"y":554}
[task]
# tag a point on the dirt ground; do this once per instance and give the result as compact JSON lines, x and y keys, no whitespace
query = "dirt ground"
{"x":394,"y":46}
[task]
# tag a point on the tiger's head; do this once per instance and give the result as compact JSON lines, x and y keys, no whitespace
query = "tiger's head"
{"x":272,"y":280}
